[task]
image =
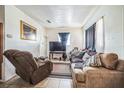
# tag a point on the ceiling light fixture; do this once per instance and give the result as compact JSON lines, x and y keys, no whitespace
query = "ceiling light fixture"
{"x":48,"y":21}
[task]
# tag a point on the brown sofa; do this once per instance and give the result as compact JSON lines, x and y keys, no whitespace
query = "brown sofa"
{"x":27,"y":67}
{"x":109,"y":75}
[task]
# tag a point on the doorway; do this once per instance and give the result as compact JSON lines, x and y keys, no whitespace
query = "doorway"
{"x":1,"y":48}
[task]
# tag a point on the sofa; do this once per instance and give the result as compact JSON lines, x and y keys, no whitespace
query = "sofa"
{"x":110,"y":74}
{"x":29,"y":69}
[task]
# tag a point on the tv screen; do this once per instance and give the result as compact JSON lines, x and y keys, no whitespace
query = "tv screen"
{"x":56,"y":46}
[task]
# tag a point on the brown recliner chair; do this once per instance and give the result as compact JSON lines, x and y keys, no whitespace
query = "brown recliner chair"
{"x":27,"y":67}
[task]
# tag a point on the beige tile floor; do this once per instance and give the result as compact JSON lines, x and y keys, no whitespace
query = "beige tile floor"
{"x":57,"y":83}
{"x":49,"y":82}
{"x":46,"y":83}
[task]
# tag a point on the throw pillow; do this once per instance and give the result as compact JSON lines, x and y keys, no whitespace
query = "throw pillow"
{"x":86,"y":57}
{"x":109,"y":60}
{"x":81,"y":54}
{"x":87,"y":62}
{"x":95,"y":61}
{"x":74,"y":53}
{"x":41,"y":58}
{"x":91,"y":53}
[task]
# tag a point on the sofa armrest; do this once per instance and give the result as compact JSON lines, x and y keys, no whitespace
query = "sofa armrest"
{"x":102,"y":77}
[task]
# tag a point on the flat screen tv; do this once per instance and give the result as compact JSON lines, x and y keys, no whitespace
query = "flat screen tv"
{"x":56,"y":46}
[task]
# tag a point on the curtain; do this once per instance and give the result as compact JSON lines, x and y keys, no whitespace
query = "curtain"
{"x":90,"y":38}
{"x":64,"y":38}
{"x":99,"y":36}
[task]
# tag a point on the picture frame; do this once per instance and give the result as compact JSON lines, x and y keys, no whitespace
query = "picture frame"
{"x":27,"y":32}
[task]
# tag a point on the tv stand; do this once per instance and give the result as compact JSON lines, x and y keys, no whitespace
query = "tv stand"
{"x":51,"y":53}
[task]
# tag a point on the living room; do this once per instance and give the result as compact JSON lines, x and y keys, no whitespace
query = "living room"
{"x":75,"y":20}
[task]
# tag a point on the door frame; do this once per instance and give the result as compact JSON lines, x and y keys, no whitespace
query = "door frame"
{"x":1,"y":48}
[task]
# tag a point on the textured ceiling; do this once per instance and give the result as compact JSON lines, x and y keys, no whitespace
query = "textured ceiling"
{"x":60,"y":16}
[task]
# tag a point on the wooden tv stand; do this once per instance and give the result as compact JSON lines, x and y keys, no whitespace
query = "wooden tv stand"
{"x":51,"y":53}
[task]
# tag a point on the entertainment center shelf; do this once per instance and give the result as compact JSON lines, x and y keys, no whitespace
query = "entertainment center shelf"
{"x":51,"y":53}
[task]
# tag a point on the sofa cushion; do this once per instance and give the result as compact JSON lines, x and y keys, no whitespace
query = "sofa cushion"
{"x":78,"y":65}
{"x":120,"y":66}
{"x":79,"y":75}
{"x":109,"y":60}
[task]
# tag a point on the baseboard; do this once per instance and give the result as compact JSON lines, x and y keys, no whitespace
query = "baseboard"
{"x":11,"y":78}
{"x":2,"y":81}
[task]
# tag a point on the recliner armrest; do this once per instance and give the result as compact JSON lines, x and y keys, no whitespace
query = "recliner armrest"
{"x":41,"y":72}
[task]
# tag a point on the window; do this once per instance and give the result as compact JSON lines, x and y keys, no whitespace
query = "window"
{"x":64,"y":38}
{"x":90,"y":38}
{"x":68,"y":41}
{"x":59,"y":38}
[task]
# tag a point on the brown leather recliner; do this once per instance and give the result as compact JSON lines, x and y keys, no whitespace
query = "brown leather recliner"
{"x":27,"y":67}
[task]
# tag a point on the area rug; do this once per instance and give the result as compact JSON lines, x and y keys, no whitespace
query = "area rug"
{"x":61,"y":70}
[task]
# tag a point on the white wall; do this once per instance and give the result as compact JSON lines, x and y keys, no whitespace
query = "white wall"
{"x":12,"y":27}
{"x":113,"y":27}
{"x":1,"y":13}
{"x":44,"y":44}
{"x":76,"y":39}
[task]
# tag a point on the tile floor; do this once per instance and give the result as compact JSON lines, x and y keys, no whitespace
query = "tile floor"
{"x":49,"y":82}
{"x":57,"y":83}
